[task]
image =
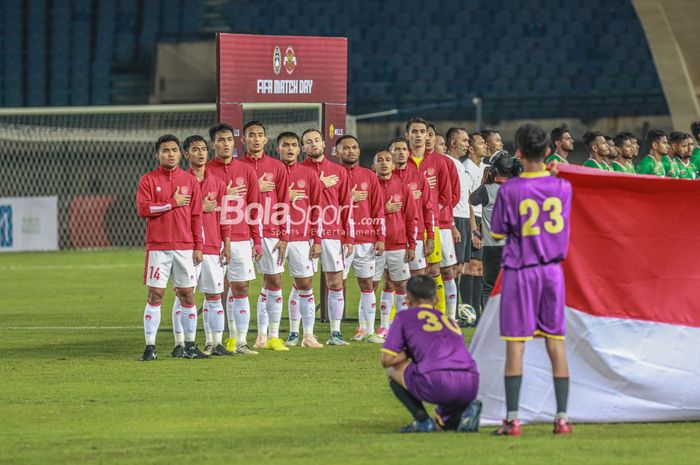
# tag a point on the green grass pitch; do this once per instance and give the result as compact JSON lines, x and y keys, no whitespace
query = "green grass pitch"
{"x":72,"y":391}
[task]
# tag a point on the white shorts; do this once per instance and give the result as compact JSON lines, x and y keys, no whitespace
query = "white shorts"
{"x":240,"y":268}
{"x":447,"y":242}
{"x":332,"y":258}
{"x":268,"y":263}
{"x":164,"y":264}
{"x":419,"y":262}
{"x":210,"y":275}
{"x":394,"y":261}
{"x":361,"y":260}
{"x":299,"y":259}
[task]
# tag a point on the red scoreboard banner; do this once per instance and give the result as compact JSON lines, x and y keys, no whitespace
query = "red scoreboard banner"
{"x":283,"y":69}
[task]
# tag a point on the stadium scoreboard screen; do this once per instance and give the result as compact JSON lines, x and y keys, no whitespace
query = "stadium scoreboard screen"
{"x":286,"y":72}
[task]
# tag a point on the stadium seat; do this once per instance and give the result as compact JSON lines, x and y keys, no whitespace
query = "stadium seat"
{"x":515,"y":49}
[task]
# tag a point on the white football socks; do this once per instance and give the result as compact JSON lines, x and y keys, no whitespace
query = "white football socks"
{"x":216,"y":320}
{"x":386,"y":302}
{"x":205,"y":322}
{"x":450,"y":297}
{"x":188,"y":317}
{"x":241,"y":311}
{"x":367,"y":311}
{"x":293,"y":306}
{"x":151,"y":322}
{"x":336,"y":305}
{"x":400,"y":302}
{"x":262,"y":312}
{"x":177,"y":322}
{"x":274,"y":310}
{"x":230,"y":314}
{"x":307,"y":309}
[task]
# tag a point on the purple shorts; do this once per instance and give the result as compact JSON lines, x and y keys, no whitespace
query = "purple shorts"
{"x":532,"y":303}
{"x":450,"y":390}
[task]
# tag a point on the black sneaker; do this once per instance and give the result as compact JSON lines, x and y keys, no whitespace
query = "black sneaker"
{"x":178,"y":351}
{"x":149,"y":354}
{"x":220,"y":350}
{"x":192,"y":351}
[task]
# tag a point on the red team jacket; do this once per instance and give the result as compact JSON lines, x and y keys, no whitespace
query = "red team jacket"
{"x":273,"y":170}
{"x":239,"y":174}
{"x":214,"y":230}
{"x":334,"y":225}
{"x":368,"y":214}
{"x":433,"y":165}
{"x":447,"y":214}
{"x":401,"y":225}
{"x":304,"y":219}
{"x":170,"y":227}
{"x":424,"y":204}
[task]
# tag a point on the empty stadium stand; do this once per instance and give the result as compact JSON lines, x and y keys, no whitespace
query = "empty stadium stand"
{"x":525,"y":58}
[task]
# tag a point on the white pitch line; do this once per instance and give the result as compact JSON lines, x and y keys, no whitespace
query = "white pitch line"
{"x":63,"y":267}
{"x":58,"y":328}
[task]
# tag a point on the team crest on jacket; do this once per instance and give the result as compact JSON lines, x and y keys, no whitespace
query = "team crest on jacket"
{"x":363,"y":186}
{"x":301,"y":183}
{"x":184,"y":190}
{"x":290,"y":60}
{"x":413,"y":186}
{"x":268,"y":176}
{"x":240,"y":181}
{"x":277,"y":60}
{"x":397,"y":198}
{"x":431,"y":171}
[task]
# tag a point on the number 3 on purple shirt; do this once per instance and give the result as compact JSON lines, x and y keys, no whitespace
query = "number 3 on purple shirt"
{"x":432,"y":324}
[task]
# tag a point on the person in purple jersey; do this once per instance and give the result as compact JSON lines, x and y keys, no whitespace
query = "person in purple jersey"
{"x":427,"y":361}
{"x":532,"y":213}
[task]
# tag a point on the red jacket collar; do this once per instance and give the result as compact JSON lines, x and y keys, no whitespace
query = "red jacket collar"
{"x":219,"y":162}
{"x":169,"y":172}
{"x":206,"y":174}
{"x":317,"y":164}
{"x":258,"y":160}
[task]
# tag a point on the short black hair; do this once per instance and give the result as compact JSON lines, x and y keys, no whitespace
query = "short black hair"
{"x":621,"y":137}
{"x":676,"y":136}
{"x":558,"y":133}
{"x":187,"y":143}
{"x":167,"y":138}
{"x":532,"y":141}
{"x":475,"y":134}
{"x":505,"y":164}
{"x":486,"y":133}
{"x":452,"y":133}
{"x":608,"y":138}
{"x":217,"y":128}
{"x":252,"y":123}
{"x":654,"y":135}
{"x":421,"y":287}
{"x":432,"y":126}
{"x":346,"y":136}
{"x":397,"y":140}
{"x":288,"y":135}
{"x":306,"y":131}
{"x":416,"y":120}
{"x":695,"y":129}
{"x":590,"y":136}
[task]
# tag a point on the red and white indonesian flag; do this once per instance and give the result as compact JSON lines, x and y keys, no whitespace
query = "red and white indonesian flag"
{"x":632,"y":308}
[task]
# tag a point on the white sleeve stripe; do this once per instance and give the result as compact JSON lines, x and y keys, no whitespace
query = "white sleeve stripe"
{"x":160,"y":208}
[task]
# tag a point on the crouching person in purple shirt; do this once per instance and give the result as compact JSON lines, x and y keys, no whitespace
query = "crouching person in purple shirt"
{"x":427,"y":361}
